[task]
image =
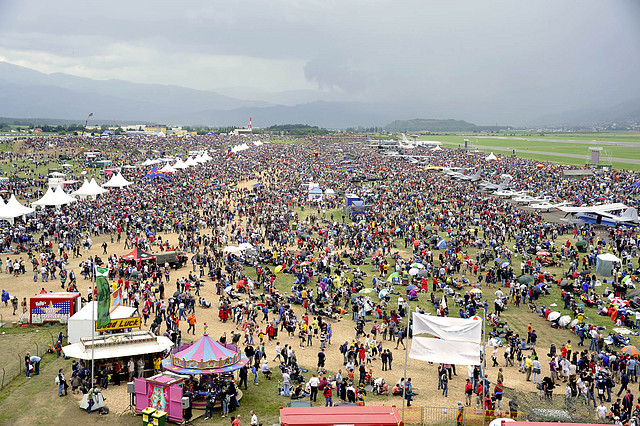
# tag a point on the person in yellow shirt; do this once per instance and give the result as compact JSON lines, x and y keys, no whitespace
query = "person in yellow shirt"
{"x":157,"y":364}
{"x":528,"y":363}
{"x":568,"y":346}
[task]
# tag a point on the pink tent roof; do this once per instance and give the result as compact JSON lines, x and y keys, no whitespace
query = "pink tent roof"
{"x":205,"y":356}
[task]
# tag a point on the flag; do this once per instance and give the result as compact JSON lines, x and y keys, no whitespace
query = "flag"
{"x":116,"y":299}
{"x":104,"y":297}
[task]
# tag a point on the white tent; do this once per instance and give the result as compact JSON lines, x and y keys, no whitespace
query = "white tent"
{"x":604,"y":263}
{"x":121,"y":345}
{"x":82,"y":190}
{"x":315,"y":194}
{"x":80,"y":323}
{"x":491,"y":157}
{"x":199,"y":159}
{"x":95,"y":189}
{"x":190,"y":162}
{"x":54,"y":198}
{"x":241,"y":147}
{"x":329,"y":191}
{"x":207,"y":157}
{"x":179,"y":164}
{"x":168,"y":169}
{"x":117,"y":181}
{"x":4,"y":212}
{"x":16,"y":209}
{"x":89,"y":190}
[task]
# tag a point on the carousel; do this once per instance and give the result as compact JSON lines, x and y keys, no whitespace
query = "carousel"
{"x":205,"y":357}
{"x":192,"y":368}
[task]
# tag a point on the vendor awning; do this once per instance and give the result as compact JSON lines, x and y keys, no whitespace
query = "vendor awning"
{"x":119,"y":346}
{"x":138,"y":255}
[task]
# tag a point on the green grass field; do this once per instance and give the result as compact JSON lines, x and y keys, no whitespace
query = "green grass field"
{"x":558,"y":152}
{"x":553,"y":158}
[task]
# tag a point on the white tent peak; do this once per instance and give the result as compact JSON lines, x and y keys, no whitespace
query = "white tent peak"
{"x":117,"y":181}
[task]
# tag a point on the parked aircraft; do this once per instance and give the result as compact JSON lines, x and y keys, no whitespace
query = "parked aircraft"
{"x":547,"y":206}
{"x":489,"y":186}
{"x":602,"y":215}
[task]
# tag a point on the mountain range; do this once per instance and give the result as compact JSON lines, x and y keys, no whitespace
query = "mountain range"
{"x":27,"y":93}
{"x":624,"y":112}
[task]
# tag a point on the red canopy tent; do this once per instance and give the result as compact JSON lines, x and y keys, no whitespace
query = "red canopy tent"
{"x":138,"y":255}
{"x":331,"y":416}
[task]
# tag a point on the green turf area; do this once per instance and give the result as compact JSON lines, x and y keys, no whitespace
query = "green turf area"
{"x":552,"y":158}
{"x":559,"y":147}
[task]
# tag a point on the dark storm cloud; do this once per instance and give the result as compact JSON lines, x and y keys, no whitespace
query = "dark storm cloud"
{"x":490,"y":60}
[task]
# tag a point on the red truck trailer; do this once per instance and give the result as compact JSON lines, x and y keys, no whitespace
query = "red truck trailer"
{"x":341,"y":416}
{"x":54,"y":307}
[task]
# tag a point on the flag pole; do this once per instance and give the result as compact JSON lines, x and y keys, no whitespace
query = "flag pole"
{"x":86,"y":122}
{"x":406,"y":356}
{"x":94,"y":307}
{"x":484,"y":363}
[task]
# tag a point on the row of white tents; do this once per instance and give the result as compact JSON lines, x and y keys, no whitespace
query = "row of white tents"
{"x":179,"y":163}
{"x":244,"y":146}
{"x":56,"y":197}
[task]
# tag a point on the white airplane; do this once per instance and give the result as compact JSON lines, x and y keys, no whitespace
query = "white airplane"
{"x":527,"y":199}
{"x":601,"y":215}
{"x":547,"y":206}
{"x":406,"y":143}
{"x":506,"y":193}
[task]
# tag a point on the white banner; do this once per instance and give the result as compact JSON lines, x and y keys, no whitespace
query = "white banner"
{"x":446,"y":352}
{"x":451,"y":329}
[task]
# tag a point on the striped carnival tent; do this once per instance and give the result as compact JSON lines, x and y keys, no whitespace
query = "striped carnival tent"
{"x":205,"y":356}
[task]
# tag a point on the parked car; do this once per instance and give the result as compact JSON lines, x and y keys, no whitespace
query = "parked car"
{"x":175,"y":259}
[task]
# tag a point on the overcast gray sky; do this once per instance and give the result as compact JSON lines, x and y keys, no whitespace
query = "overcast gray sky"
{"x":516,"y":58}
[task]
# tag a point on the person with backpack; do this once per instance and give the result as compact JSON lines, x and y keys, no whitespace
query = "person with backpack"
{"x":61,"y":382}
{"x":211,"y":399}
{"x":468,"y":391}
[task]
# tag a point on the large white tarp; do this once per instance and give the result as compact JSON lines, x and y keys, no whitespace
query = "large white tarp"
{"x":451,"y":329}
{"x":443,"y":351}
{"x":77,"y":350}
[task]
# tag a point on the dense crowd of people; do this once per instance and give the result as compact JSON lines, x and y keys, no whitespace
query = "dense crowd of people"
{"x":364,"y":268}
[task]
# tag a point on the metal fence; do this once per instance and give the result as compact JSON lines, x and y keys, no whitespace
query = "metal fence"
{"x":14,"y":365}
{"x":439,"y":415}
{"x":431,"y":416}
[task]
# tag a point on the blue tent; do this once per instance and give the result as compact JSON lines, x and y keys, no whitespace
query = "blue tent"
{"x":442,"y":244}
{"x":155,"y":174}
